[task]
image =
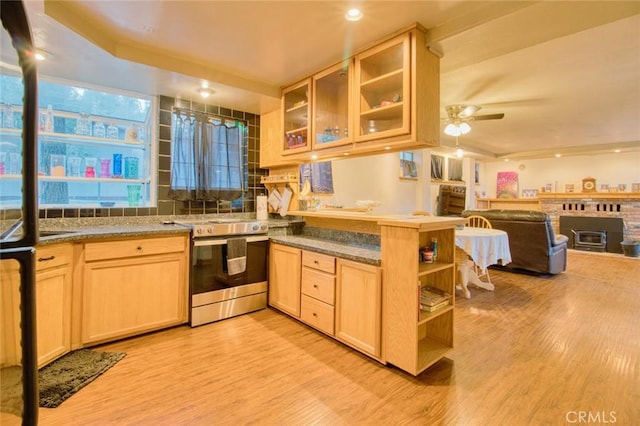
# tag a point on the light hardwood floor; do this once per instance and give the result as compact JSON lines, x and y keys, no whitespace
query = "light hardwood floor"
{"x":537,"y":351}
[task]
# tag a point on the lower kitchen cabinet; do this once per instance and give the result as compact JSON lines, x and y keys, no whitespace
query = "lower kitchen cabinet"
{"x":359,"y":306}
{"x":53,"y":305}
{"x":284,"y":278}
{"x":133,"y":286}
{"x":53,"y":301}
{"x":318,"y":284}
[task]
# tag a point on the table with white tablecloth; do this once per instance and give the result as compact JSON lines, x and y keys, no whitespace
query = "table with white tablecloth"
{"x":486,"y":247}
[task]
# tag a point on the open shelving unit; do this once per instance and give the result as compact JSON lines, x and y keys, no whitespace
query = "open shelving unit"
{"x":417,"y":339}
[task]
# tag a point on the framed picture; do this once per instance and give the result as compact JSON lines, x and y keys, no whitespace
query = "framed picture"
{"x":529,"y":193}
{"x":507,"y":185}
{"x":319,"y":175}
{"x":408,"y":169}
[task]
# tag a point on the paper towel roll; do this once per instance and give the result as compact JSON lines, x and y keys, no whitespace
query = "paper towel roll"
{"x":261,"y":207}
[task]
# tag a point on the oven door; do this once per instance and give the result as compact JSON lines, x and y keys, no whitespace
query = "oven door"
{"x":209,"y":271}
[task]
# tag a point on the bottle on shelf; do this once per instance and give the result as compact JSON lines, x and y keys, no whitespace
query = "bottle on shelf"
{"x":7,"y":116}
{"x":48,"y":119}
{"x":99,"y":131}
{"x":112,"y":131}
{"x":434,"y":247}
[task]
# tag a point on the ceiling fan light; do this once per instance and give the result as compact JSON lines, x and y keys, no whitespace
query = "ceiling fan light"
{"x":459,"y":152}
{"x":464,"y":128}
{"x":452,"y":130}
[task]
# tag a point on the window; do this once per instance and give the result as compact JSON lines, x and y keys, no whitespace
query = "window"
{"x":209,"y":157}
{"x":455,"y":169}
{"x":94,"y":145}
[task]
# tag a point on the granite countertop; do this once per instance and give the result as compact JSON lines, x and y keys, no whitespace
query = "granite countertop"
{"x":59,"y":231}
{"x":359,"y":253}
{"x":77,"y":234}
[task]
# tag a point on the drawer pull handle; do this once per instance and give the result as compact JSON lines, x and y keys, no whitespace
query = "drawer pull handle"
{"x":46,"y":259}
{"x":139,"y":248}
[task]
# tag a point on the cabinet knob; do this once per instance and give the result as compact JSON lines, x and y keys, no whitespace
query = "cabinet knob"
{"x":315,"y":286}
{"x":46,"y":259}
{"x":139,"y":248}
{"x":314,"y":314}
{"x":316,"y":262}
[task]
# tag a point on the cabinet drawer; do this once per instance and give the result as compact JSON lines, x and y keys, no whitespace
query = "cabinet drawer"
{"x":318,"y":285}
{"x":133,"y":248}
{"x":53,"y":256}
{"x":319,"y":261}
{"x":317,"y":314}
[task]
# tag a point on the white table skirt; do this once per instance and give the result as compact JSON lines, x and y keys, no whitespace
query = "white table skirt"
{"x":485,"y":246}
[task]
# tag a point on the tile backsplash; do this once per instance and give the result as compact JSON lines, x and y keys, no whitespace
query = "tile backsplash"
{"x":165,"y":205}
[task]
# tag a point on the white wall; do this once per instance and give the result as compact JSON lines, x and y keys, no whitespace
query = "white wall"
{"x":376,"y":178}
{"x":611,"y":169}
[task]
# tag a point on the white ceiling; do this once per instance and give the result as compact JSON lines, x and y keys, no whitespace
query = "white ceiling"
{"x":565,"y":74}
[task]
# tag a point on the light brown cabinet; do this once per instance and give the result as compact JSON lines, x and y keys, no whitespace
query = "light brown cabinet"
{"x":284,"y":278}
{"x":359,"y":306}
{"x":332,"y":107}
{"x":318,"y":291}
{"x":416,"y":339}
{"x":133,"y":286}
{"x":53,"y":301}
{"x":271,"y":140}
{"x":296,"y":116}
{"x":53,"y":305}
{"x":385,"y":97}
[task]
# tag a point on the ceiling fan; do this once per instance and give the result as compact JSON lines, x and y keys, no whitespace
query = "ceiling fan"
{"x":460,"y":115}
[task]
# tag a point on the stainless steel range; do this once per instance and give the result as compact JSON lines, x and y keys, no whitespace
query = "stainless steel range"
{"x":228,"y":268}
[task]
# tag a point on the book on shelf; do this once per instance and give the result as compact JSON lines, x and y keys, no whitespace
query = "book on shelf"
{"x":431,"y":296}
{"x":435,"y":307}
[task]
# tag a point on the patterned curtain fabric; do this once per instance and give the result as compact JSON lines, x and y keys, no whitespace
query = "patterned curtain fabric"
{"x":207,"y":161}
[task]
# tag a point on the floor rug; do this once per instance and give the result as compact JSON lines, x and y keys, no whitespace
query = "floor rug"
{"x":67,"y":375}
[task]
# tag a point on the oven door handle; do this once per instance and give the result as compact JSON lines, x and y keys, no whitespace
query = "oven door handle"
{"x":223,"y":241}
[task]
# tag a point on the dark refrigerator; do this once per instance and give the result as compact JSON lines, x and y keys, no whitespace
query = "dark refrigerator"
{"x":18,"y":238}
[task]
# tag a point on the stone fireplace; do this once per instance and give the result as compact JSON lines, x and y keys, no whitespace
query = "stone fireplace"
{"x":617,"y":215}
{"x":593,"y":233}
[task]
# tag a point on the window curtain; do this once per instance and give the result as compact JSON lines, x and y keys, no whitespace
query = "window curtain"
{"x":207,"y":159}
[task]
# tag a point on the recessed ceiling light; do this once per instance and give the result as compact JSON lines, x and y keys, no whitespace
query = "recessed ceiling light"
{"x":387,"y":148}
{"x":205,"y":92}
{"x":314,"y":156}
{"x":617,"y":151}
{"x":40,"y":56}
{"x":353,"y":15}
{"x":558,"y":155}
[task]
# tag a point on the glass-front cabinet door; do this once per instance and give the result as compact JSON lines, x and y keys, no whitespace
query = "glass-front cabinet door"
{"x":94,"y":147}
{"x":296,"y":107}
{"x":383,"y":80}
{"x":332,"y":106}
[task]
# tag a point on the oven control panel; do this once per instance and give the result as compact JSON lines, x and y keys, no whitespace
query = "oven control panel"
{"x":214,"y":229}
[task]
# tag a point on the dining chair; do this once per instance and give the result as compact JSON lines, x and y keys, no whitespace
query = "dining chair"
{"x":476,"y":221}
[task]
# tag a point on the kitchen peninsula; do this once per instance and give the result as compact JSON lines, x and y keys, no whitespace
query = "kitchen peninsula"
{"x":369,"y":304}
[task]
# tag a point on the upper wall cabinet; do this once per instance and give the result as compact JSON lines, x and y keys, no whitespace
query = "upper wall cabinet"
{"x":296,"y":111}
{"x":398,"y":95}
{"x":332,"y":106}
{"x":385,"y":97}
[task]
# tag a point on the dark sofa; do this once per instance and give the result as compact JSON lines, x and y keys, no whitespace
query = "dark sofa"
{"x":532,"y":241}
